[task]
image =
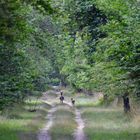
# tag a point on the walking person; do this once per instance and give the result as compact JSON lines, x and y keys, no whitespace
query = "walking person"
{"x":72,"y":101}
{"x":61,"y":97}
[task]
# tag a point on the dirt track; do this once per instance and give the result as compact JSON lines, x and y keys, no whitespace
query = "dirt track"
{"x":78,"y":133}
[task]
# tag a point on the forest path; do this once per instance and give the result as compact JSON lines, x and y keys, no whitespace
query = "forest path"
{"x":78,"y":133}
{"x":44,"y":133}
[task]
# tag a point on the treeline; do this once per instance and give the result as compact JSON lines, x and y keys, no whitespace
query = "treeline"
{"x":91,"y":45}
{"x":25,"y":66}
{"x":100,"y":46}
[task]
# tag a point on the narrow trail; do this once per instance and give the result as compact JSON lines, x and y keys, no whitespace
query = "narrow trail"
{"x":44,"y":134}
{"x":79,"y":133}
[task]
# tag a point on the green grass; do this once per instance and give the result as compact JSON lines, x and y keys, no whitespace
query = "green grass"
{"x":10,"y":127}
{"x":64,"y":124}
{"x":33,"y":101}
{"x":19,"y":120}
{"x":109,"y":124}
{"x":101,"y":123}
{"x":87,"y":101}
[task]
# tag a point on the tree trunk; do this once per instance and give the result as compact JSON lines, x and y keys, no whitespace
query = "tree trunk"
{"x":126,"y":103}
{"x":105,"y":98}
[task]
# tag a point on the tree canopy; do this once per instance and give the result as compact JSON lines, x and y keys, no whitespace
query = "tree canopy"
{"x":88,"y":44}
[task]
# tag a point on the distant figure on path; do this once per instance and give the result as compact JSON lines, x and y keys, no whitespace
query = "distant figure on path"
{"x":61,"y":93}
{"x":61,"y":97}
{"x":72,"y":101}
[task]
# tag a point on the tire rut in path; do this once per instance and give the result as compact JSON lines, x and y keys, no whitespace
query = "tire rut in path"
{"x":79,"y":133}
{"x":44,"y":134}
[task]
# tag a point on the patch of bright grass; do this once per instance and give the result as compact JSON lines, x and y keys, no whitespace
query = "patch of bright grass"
{"x":87,"y":102}
{"x":33,"y":102}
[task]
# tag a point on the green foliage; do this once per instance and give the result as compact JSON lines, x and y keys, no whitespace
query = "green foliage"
{"x":100,"y":45}
{"x":23,"y":64}
{"x":89,"y":44}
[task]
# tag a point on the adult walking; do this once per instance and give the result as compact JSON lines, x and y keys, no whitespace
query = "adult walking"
{"x":61,"y":97}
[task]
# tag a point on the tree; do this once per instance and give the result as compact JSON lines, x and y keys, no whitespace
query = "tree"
{"x":23,"y":65}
